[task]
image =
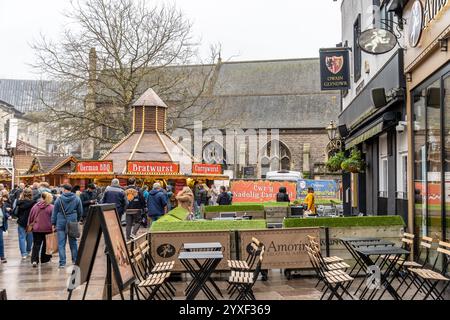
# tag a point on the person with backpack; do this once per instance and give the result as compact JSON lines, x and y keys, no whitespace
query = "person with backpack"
{"x":157,"y":203}
{"x":88,"y":198}
{"x":134,"y":209}
{"x":115,"y":194}
{"x":224,"y":198}
{"x":282,"y":195}
{"x":40,"y":221}
{"x":4,"y":216}
{"x":68,"y":208}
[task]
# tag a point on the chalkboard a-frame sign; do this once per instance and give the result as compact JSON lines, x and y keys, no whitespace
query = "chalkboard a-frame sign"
{"x":103,"y":220}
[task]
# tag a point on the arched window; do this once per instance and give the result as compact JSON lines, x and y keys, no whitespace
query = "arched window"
{"x":213,"y":152}
{"x":275,"y":156}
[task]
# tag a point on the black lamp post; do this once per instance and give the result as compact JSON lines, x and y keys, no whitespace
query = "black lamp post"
{"x":335,"y":143}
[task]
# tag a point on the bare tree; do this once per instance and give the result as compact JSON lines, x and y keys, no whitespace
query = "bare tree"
{"x":135,"y":47}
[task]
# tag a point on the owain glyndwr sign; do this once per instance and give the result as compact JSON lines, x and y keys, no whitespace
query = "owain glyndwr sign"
{"x":334,"y":69}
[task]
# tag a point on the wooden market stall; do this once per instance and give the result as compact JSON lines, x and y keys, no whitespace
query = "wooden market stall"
{"x":51,"y":169}
{"x":150,"y":154}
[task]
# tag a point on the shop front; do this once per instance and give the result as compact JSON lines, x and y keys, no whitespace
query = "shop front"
{"x":372,"y":122}
{"x":427,"y":70}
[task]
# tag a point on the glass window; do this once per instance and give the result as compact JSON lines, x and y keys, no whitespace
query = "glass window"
{"x":356,"y":49}
{"x":434,"y":160}
{"x":447,"y":153}
{"x":420,"y":206}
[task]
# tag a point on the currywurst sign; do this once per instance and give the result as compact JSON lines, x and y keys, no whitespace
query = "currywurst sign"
{"x":334,"y":69}
{"x":151,"y":167}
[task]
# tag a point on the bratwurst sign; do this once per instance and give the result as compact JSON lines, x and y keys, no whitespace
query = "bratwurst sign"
{"x":152,"y":167}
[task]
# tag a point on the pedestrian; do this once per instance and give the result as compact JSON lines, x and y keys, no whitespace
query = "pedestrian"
{"x":157,"y":203}
{"x":145,"y":192}
{"x":169,"y":194}
{"x":282,"y":195}
{"x":134,"y":210}
{"x":114,"y":194}
{"x":213,"y":194}
{"x":41,"y":222}
{"x":309,"y":203}
{"x":224,"y":198}
{"x":36,"y":192}
{"x":44,"y":187}
{"x":7,"y":206}
{"x":4,"y":216}
{"x":67,"y":208}
{"x":185,"y":199}
{"x":88,"y":198}
{"x":24,"y":206}
{"x":14,"y":196}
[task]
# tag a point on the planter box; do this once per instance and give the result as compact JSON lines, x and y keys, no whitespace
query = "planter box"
{"x":276,"y":214}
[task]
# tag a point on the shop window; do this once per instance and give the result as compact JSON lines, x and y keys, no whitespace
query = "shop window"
{"x":357,"y":58}
{"x":383,"y":166}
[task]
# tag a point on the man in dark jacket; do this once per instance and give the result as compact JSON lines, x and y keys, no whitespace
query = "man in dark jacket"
{"x":88,"y":197}
{"x":135,"y":208}
{"x":67,"y":208}
{"x":24,"y":205}
{"x":157,"y":203}
{"x":115,"y":194}
{"x":224,"y":198}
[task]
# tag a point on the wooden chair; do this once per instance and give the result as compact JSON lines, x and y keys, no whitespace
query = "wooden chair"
{"x":333,"y":280}
{"x":424,"y":247}
{"x":244,"y":281}
{"x":428,"y":279}
{"x":333,"y":259}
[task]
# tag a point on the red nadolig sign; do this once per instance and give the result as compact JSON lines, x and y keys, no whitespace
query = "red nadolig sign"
{"x":94,"y":167}
{"x":205,"y":168}
{"x":151,"y":167}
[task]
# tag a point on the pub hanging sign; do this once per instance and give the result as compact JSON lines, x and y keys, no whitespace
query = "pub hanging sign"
{"x":334,"y":69}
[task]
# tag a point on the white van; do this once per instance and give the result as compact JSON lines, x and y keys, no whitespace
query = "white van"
{"x":284,"y":175}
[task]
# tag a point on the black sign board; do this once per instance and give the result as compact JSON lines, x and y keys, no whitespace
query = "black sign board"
{"x":103,"y":220}
{"x":334,"y":69}
{"x":249,"y":172}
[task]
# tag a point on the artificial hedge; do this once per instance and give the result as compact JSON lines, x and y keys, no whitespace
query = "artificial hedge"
{"x":235,"y":208}
{"x":340,"y":222}
{"x":208,"y":225}
{"x":177,"y":214}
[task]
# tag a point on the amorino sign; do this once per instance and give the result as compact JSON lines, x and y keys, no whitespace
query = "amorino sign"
{"x":285,"y":248}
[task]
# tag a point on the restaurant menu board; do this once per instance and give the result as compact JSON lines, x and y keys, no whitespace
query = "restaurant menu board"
{"x":152,"y":167}
{"x":118,"y":246}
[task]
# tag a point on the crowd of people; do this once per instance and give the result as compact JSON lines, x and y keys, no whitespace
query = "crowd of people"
{"x":40,"y":209}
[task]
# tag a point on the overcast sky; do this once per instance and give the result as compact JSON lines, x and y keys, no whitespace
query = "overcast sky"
{"x":246,"y":29}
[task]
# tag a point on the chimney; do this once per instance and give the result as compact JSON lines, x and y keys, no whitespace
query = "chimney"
{"x":149,"y":113}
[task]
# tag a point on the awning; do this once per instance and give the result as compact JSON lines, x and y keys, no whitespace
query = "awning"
{"x":367,"y":134}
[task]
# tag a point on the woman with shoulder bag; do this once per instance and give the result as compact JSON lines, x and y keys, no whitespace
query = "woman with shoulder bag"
{"x":24,"y":206}
{"x":67,"y":212}
{"x":40,"y":221}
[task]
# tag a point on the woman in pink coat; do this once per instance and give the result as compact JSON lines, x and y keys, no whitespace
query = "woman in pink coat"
{"x":40,"y":219}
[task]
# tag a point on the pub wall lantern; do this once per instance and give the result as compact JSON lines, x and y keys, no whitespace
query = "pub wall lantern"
{"x":331,"y":130}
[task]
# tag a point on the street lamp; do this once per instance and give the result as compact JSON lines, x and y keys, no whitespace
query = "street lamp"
{"x":331,"y":130}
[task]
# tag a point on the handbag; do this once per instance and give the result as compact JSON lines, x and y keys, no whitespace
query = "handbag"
{"x":72,"y":227}
{"x":51,"y":243}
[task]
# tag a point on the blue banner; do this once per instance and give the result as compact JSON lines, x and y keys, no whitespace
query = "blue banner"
{"x":322,"y":188}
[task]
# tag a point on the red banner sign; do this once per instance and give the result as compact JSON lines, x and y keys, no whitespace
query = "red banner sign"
{"x":94,"y":167}
{"x":205,"y":168}
{"x":261,"y":190}
{"x":151,"y":167}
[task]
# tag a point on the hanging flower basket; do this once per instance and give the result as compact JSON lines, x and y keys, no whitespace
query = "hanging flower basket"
{"x":334,"y":163}
{"x":354,"y":163}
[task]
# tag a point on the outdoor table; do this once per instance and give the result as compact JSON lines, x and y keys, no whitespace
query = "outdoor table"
{"x":359,"y":263}
{"x":372,"y":243}
{"x":203,"y":246}
{"x":390,"y":263}
{"x":202,"y":274}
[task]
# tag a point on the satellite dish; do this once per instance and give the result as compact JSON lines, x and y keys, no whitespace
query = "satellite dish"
{"x":377,"y":41}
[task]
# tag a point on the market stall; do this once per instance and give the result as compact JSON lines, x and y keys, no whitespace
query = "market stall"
{"x":53,"y":170}
{"x":150,"y":154}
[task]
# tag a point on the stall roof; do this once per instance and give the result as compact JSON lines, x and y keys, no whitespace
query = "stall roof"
{"x":45,"y":165}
